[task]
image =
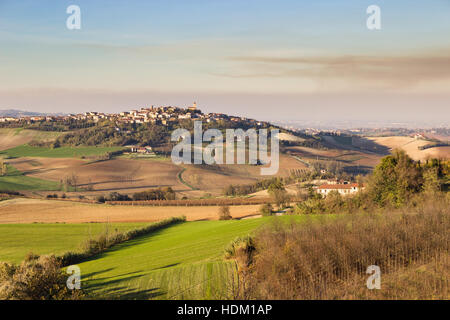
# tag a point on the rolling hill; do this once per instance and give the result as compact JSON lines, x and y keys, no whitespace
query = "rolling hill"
{"x":10,"y":138}
{"x":411,"y":147}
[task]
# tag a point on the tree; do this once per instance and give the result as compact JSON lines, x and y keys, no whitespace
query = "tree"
{"x":266,"y":209}
{"x":36,"y":278}
{"x":281,"y":197}
{"x":395,"y":179}
{"x":3,"y":168}
{"x":431,"y":183}
{"x":334,"y":202}
{"x":275,"y":185}
{"x":224,"y":213}
{"x":90,"y":185}
{"x":279,"y":193}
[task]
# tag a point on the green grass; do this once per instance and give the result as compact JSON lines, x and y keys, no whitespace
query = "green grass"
{"x":15,"y":180}
{"x":181,"y":262}
{"x":16,"y":240}
{"x":62,"y":152}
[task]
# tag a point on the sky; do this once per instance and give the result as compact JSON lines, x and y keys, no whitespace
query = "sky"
{"x":270,"y":60}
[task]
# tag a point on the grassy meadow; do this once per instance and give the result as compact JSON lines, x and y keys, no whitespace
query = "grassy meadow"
{"x":62,"y":152}
{"x":185,"y":261}
{"x":15,"y":180}
{"x":16,"y":240}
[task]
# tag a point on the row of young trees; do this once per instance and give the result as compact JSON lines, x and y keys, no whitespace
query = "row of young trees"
{"x":165,"y":193}
{"x":241,"y":190}
{"x":3,"y":168}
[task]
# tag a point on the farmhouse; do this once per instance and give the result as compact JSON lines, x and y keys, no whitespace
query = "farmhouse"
{"x":137,"y":149}
{"x":344,"y":189}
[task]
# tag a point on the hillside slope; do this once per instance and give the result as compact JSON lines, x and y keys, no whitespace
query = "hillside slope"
{"x":10,"y":138}
{"x":411,"y":147}
{"x":181,"y":262}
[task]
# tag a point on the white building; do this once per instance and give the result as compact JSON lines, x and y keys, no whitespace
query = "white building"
{"x":344,"y":189}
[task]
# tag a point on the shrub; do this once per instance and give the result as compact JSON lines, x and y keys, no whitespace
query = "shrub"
{"x":280,"y":197}
{"x":241,"y":190}
{"x":395,"y":179}
{"x":36,"y":279}
{"x":334,"y":202}
{"x":241,"y":248}
{"x":154,"y":194}
{"x":311,"y":206}
{"x":107,"y":239}
{"x":224,"y":213}
{"x":323,"y":259}
{"x":115,"y":196}
{"x":266,"y":210}
{"x":6,"y":272}
{"x":30,"y":256}
{"x":11,"y":193}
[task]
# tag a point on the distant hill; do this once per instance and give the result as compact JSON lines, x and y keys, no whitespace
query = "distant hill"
{"x":21,"y":113}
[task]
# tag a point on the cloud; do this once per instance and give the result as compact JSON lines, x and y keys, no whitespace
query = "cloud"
{"x":358,"y":70}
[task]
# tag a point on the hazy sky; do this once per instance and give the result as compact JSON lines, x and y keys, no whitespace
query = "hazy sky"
{"x":284,"y":60}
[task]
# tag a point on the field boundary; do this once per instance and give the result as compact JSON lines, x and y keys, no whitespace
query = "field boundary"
{"x":194,"y":202}
{"x":180,"y":178}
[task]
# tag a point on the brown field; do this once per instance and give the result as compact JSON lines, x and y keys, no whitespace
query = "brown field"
{"x":129,"y":176}
{"x":51,"y":211}
{"x":313,"y":153}
{"x":214,"y":179}
{"x":347,"y":157}
{"x":440,"y":137}
{"x":410,"y":146}
{"x":121,"y":175}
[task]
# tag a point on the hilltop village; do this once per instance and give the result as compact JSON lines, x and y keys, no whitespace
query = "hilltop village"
{"x":162,"y":115}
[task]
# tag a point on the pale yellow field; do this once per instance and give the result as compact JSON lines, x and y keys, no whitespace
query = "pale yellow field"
{"x":291,"y":189}
{"x":50,"y":211}
{"x":289,"y":137}
{"x":410,"y":146}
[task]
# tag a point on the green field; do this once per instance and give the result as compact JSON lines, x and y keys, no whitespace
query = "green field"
{"x":62,"y":152}
{"x":16,"y":240}
{"x":184,"y":261}
{"x":181,"y":262}
{"x":17,"y":181}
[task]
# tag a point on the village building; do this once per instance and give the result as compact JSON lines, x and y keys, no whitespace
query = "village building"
{"x":343,"y":189}
{"x":138,"y":149}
